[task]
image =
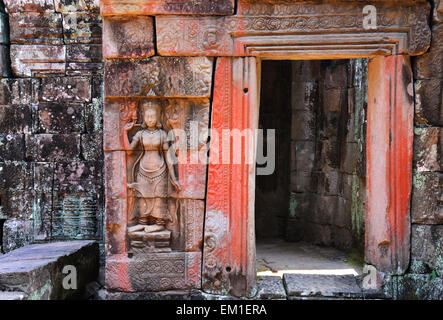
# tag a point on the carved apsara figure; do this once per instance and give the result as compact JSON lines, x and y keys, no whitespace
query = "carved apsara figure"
{"x":152,"y":174}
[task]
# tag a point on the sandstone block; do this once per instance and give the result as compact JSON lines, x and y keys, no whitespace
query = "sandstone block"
{"x":429,"y":102}
{"x":427,"y":201}
{"x":59,"y":118}
{"x":64,"y":89}
{"x":92,"y":146}
{"x":12,"y":147}
{"x":15,"y":119}
{"x":128,"y":37}
{"x":37,"y":60}
{"x":75,"y":5}
{"x":430,"y":64}
{"x":154,"y":272}
{"x":16,"y":234}
{"x":15,"y":175}
{"x":53,"y":147}
{"x":192,"y":77}
{"x":13,"y":6}
{"x":38,"y":269}
{"x":158,"y":7}
{"x":36,"y":28}
{"x":427,"y":149}
{"x":15,"y":91}
{"x":190,"y":119}
{"x":427,"y":249}
{"x":82,"y":28}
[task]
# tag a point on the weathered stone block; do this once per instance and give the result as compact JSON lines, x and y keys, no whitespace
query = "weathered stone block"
{"x":82,"y":28}
{"x":301,"y":181}
{"x":186,"y":120}
{"x":59,"y":118}
{"x":16,"y":234}
{"x":12,"y":147}
{"x":351,"y":158}
{"x":75,"y":5}
{"x":341,"y":238}
{"x":15,"y":176}
{"x":82,"y":176}
{"x":4,"y":28}
{"x":304,"y":156}
{"x":36,"y":28}
{"x":83,"y":59}
{"x":427,"y":249}
{"x":38,"y":269}
{"x":427,"y":149}
{"x":15,"y":91}
{"x":76,"y":216}
{"x":342,"y":218}
{"x":37,"y":60}
{"x":328,"y":182}
{"x":323,"y":210}
{"x":429,"y":102}
{"x":17,"y":204}
{"x":307,"y":285}
{"x":5,"y":62}
{"x":128,"y":37}
{"x":152,"y":77}
{"x":304,"y":94}
{"x":92,"y":146}
{"x":94,"y":116}
{"x":303,"y":125}
{"x":64,"y":89}
{"x":42,"y":215}
{"x":15,"y":119}
{"x":430,"y":64}
{"x":154,"y":272}
{"x":13,"y":6}
{"x":53,"y":147}
{"x":416,"y":287}
{"x":43,"y":176}
{"x":427,"y":201}
{"x":157,"y":7}
{"x":270,"y":288}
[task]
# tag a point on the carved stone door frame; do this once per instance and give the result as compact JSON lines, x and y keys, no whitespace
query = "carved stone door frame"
{"x":229,"y":239}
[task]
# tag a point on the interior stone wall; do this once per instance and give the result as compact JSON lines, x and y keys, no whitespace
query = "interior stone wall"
{"x":327,"y":153}
{"x":51,"y":158}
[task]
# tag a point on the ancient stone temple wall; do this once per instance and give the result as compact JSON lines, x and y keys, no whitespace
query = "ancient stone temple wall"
{"x":177,"y":61}
{"x":51,"y":158}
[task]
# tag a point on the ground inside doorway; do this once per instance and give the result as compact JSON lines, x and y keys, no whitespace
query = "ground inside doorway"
{"x":299,"y":270}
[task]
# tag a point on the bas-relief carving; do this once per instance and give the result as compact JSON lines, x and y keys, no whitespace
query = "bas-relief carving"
{"x":156,"y":7}
{"x":165,"y":200}
{"x":152,"y":182}
{"x":401,"y":28}
{"x":152,"y":77}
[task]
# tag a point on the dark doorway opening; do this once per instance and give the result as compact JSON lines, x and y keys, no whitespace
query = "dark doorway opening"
{"x":309,"y":213}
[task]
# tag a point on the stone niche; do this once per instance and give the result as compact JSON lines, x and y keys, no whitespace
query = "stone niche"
{"x":156,"y":123}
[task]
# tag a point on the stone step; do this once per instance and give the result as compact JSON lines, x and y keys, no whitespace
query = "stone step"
{"x":37,"y":270}
{"x":310,"y":286}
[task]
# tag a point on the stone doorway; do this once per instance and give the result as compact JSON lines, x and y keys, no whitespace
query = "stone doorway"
{"x":309,"y":213}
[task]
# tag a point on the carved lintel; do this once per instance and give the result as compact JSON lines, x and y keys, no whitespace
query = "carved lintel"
{"x":158,"y":7}
{"x":300,"y":31}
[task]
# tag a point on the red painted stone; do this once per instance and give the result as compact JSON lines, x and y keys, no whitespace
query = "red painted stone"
{"x":158,"y":7}
{"x":389,"y":163}
{"x":229,"y":247}
{"x":128,"y":37}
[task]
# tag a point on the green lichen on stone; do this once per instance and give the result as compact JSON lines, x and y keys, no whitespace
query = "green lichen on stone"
{"x":419,"y":181}
{"x":357,"y":208}
{"x":292,"y":206}
{"x":43,"y":293}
